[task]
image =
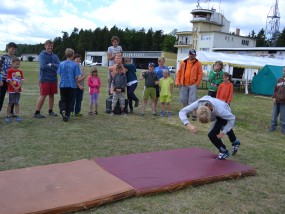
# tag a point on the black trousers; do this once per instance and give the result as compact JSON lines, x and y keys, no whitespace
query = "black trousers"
{"x":131,"y":94}
{"x":216,"y":130}
{"x":3,"y":90}
{"x":66,"y":100}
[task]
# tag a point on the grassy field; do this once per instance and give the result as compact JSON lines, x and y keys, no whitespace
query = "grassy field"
{"x":45,"y":141}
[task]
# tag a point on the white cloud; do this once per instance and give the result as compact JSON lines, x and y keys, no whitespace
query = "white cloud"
{"x":30,"y":22}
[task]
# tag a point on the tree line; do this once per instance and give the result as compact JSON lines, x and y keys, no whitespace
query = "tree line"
{"x":100,"y":39}
{"x":130,"y":40}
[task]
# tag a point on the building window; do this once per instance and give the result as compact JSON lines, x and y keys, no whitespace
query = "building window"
{"x":204,"y":49}
{"x":244,"y":42}
{"x":206,"y":37}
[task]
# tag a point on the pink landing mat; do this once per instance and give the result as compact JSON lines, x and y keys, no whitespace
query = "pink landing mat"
{"x":59,"y":188}
{"x":162,"y":171}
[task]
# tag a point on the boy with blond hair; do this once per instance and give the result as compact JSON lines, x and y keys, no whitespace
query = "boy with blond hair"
{"x":166,"y":87}
{"x":215,"y":78}
{"x":69,"y":73}
{"x":212,"y":109}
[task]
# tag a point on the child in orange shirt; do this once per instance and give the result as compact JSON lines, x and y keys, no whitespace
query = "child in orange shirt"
{"x":225,"y":90}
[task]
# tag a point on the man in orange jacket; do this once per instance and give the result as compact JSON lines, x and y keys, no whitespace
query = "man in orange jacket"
{"x":188,"y":78}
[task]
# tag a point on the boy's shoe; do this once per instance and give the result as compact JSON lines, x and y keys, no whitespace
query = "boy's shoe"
{"x":162,"y":114}
{"x":78,"y":114}
{"x":194,"y":118}
{"x":64,"y":117}
{"x":137,"y":103}
{"x":72,"y":114}
{"x":96,"y":112}
{"x":112,"y":113}
{"x":90,"y":113}
{"x":141,"y":114}
{"x":235,"y":145}
{"x":223,"y":155}
{"x":39,"y":115}
{"x":19,"y":119}
{"x":271,"y":129}
{"x":52,"y":114}
{"x":169,"y":114}
{"x":123,"y":114}
{"x":8,"y":120}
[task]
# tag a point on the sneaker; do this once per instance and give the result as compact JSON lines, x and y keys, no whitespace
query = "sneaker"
{"x":169,"y":114}
{"x":96,"y":112}
{"x":141,"y":114}
{"x":52,"y":114}
{"x":194,"y":118}
{"x":162,"y":114}
{"x":223,"y":155}
{"x":137,"y":103}
{"x":123,"y":114}
{"x":112,"y":113}
{"x":19,"y":119}
{"x":72,"y":114}
{"x":235,"y":145}
{"x":39,"y":115}
{"x":271,"y":129}
{"x":78,"y":114}
{"x":64,"y":117}
{"x":8,"y":120}
{"x":90,"y":113}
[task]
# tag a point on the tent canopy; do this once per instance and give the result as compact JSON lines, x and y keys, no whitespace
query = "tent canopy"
{"x":236,"y":60}
{"x":263,"y":83}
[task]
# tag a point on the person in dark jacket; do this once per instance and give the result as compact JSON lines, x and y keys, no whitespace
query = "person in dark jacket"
{"x":279,"y":104}
{"x":132,"y":83}
{"x":47,"y":79}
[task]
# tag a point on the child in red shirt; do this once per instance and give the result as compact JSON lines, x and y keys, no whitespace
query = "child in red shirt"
{"x":15,"y":80}
{"x":225,"y":89}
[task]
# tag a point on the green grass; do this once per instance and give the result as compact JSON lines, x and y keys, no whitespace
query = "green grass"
{"x":39,"y":142}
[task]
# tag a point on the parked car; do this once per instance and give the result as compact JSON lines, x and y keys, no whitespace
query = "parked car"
{"x":90,"y":63}
{"x":172,"y":69}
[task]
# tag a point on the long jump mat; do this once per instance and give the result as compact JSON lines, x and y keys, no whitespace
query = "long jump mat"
{"x":161,"y":171}
{"x":59,"y":188}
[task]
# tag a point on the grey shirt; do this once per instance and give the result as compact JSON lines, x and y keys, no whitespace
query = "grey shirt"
{"x":220,"y":109}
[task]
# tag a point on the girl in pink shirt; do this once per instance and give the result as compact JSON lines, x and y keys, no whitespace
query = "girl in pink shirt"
{"x":94,"y":84}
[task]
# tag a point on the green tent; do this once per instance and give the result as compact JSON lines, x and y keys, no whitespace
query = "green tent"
{"x":264,"y":82}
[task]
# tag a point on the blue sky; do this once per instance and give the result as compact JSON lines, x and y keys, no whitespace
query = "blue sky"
{"x":34,"y":21}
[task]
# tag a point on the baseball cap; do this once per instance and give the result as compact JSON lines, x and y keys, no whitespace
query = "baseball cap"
{"x":151,"y":64}
{"x":192,"y":52}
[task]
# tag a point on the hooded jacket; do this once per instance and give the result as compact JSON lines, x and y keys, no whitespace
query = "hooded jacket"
{"x":48,"y":73}
{"x":279,"y":90}
{"x":189,"y":73}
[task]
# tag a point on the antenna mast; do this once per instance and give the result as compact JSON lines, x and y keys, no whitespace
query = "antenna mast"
{"x":272,"y":26}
